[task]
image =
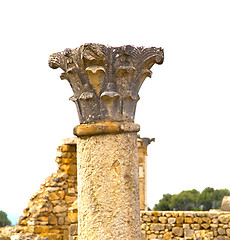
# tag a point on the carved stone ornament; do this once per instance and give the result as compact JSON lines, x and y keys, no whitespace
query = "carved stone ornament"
{"x":106,"y":80}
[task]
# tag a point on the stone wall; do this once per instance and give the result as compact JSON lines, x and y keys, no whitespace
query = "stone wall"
{"x":46,"y":213}
{"x":185,"y":225}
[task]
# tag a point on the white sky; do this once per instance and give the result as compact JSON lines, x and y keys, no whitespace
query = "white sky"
{"x":185,"y":105}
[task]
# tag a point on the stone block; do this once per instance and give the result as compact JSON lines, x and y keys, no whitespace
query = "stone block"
{"x":195,"y":226}
{"x":221,"y":231}
{"x":73,"y":229}
{"x":53,"y":196}
{"x":71,"y":169}
{"x":59,"y":209}
{"x":214,"y":226}
{"x":206,"y":220}
{"x":180,"y":220}
{"x":52,"y":220}
{"x":61,"y":194}
{"x":205,"y":225}
{"x":224,"y":218}
{"x":215,"y":221}
{"x":167,"y":214}
{"x":73,"y":216}
{"x":168,"y":235}
{"x":71,"y":191}
{"x":189,"y":233}
{"x":61,"y":220}
{"x":168,"y":227}
{"x":43,"y":218}
{"x":68,"y":148}
{"x":228,"y":232}
{"x":171,"y":220}
{"x":69,"y":160}
{"x":157,"y":227}
{"x":163,"y":219}
{"x":188,"y":220}
{"x":186,"y":226}
{"x":154,"y":219}
{"x":41,"y":229}
{"x":144,"y":227}
{"x":178,"y":231}
{"x":188,"y":214}
{"x":70,"y":199}
{"x":222,"y":238}
{"x":225,"y":206}
{"x":213,"y":214}
{"x":199,"y":234}
{"x":198,"y":220}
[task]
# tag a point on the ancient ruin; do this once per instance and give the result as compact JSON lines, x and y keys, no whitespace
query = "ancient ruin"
{"x":105,"y":81}
{"x":100,"y":185}
{"x":53,"y":209}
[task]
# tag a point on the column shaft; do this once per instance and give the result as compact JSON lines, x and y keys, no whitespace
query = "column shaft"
{"x":108,"y":188}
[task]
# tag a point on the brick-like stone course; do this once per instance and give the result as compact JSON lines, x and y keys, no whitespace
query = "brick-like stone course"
{"x":185,"y":225}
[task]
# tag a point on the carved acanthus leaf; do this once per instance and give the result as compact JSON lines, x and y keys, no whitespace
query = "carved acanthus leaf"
{"x":97,"y":72}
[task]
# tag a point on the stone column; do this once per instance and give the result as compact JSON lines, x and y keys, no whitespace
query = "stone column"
{"x":142,"y":144}
{"x":106,"y":81}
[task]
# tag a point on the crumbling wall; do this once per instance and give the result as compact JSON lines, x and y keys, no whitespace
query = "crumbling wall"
{"x":47,"y":209}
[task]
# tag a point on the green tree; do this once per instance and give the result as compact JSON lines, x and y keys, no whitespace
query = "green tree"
{"x":188,"y":200}
{"x":218,"y":197}
{"x":185,"y":201}
{"x":164,"y":203}
{"x":211,"y":198}
{"x":4,"y":221}
{"x":206,"y":198}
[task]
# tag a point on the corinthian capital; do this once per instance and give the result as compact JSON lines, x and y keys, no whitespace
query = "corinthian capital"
{"x":106,"y":80}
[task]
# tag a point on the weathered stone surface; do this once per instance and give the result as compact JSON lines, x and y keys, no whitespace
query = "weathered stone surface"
{"x":189,"y":233}
{"x":106,"y":80}
{"x":207,"y":225}
{"x":71,"y":169}
{"x":228,"y":232}
{"x":52,"y":219}
{"x":41,"y":229}
{"x":48,"y":206}
{"x":188,"y":220}
{"x":163,"y":219}
{"x":108,"y":202}
{"x":168,"y":235}
{"x":157,"y":227}
{"x":171,"y":220}
{"x":224,"y":218}
{"x":178,"y":231}
{"x":222,"y":238}
{"x":221,"y":231}
{"x":195,"y":226}
{"x":73,"y":229}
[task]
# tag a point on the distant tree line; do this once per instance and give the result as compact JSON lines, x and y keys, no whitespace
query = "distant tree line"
{"x":192,"y":200}
{"x":4,"y":221}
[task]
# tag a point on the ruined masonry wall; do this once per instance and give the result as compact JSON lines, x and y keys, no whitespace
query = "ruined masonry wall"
{"x":185,"y":225}
{"x":47,"y":210}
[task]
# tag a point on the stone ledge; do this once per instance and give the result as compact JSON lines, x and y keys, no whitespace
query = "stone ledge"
{"x":105,"y":127}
